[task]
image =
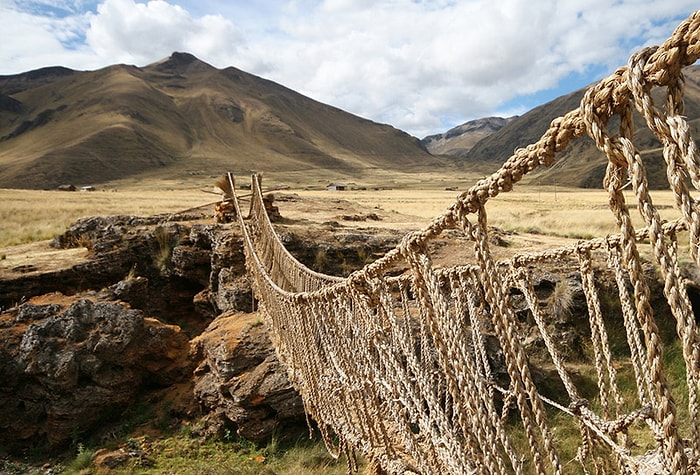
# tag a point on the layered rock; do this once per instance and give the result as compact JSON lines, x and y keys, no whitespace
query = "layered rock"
{"x":68,"y":366}
{"x":241,"y":381}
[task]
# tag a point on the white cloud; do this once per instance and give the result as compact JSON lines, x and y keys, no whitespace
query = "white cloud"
{"x":139,"y":33}
{"x":30,"y":42}
{"x":419,"y":65}
{"x":407,"y":62}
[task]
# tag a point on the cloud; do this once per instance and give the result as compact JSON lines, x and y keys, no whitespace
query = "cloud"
{"x":414,"y":63}
{"x":30,"y":41}
{"x":140,"y":33}
{"x":422,"y":66}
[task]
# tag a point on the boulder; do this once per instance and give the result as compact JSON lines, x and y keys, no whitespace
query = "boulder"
{"x":69,"y":365}
{"x":240,"y":381}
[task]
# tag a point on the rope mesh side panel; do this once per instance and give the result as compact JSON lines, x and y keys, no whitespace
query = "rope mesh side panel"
{"x":283,"y":268}
{"x":433,"y":372}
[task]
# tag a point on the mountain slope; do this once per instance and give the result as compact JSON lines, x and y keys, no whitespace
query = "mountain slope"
{"x":181,"y":117}
{"x":459,"y":140}
{"x":581,"y":164}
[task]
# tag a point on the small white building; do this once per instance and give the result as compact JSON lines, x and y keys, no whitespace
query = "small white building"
{"x":336,"y":187}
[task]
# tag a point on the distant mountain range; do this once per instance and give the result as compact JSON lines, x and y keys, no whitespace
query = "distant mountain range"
{"x":487,"y":143}
{"x":181,"y":117}
{"x":459,"y":140}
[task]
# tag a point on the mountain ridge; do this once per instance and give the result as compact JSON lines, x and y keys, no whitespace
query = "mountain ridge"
{"x":581,"y":164}
{"x":458,"y":140}
{"x":177,"y":117}
{"x":180,"y":117}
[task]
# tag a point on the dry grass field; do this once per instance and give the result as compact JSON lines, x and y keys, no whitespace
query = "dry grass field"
{"x":545,"y":210}
{"x":32,"y":215}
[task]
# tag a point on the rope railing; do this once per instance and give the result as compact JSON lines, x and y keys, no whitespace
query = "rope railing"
{"x":430,"y":372}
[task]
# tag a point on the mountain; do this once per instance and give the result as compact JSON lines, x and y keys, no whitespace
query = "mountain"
{"x":581,"y":164}
{"x":459,"y":140}
{"x":177,"y":118}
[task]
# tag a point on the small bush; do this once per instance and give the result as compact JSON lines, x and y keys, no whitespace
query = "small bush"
{"x":166,"y":242}
{"x":561,"y":300}
{"x":82,"y":460}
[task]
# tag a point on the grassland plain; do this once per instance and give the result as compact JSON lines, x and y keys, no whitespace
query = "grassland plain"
{"x":33,"y":215}
{"x":29,"y":215}
{"x":547,"y":210}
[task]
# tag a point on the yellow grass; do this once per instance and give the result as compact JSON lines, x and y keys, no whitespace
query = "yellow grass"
{"x":32,"y":215}
{"x":568,"y":212}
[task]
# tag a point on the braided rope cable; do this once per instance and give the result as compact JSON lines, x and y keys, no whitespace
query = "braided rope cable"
{"x":401,"y":368}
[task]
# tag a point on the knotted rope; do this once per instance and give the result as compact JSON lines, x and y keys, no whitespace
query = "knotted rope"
{"x":404,"y":369}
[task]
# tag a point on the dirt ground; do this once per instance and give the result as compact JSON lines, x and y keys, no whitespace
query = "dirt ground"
{"x":313,"y":218}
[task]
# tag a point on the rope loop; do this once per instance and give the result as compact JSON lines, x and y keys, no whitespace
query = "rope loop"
{"x":443,"y":369}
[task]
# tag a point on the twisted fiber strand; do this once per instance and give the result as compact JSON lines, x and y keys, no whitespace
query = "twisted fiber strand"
{"x":663,"y":400}
{"x":524,"y":282}
{"x":676,"y":144}
{"x":406,"y":334}
{"x":473,"y":415}
{"x":690,"y":354}
{"x":466,"y":406}
{"x":402,"y":393}
{"x":518,"y":369}
{"x":601,"y":348}
{"x":300,"y":277}
{"x":641,"y":369}
{"x":482,"y":401}
{"x":436,"y":424}
{"x":428,"y":292}
{"x":350,"y":390}
{"x":673,"y":290}
{"x":599,"y":336}
{"x":470,"y":282}
{"x":598,"y":426}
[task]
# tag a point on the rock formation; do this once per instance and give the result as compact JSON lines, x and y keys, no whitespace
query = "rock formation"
{"x":69,"y":366}
{"x":158,"y":301}
{"x":240,"y":380}
{"x":163,"y":303}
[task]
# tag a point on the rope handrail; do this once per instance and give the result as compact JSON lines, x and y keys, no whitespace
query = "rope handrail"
{"x":403,"y":369}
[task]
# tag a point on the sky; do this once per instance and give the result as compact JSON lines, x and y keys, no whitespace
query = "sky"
{"x":422,"y":66}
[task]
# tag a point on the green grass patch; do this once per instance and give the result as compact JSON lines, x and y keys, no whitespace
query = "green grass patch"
{"x":183,"y":454}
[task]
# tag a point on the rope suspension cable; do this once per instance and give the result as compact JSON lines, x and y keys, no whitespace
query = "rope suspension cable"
{"x":401,"y":368}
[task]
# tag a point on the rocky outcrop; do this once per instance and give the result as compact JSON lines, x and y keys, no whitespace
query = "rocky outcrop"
{"x":69,"y":365}
{"x":180,"y":256}
{"x":241,"y":382}
{"x":157,"y":301}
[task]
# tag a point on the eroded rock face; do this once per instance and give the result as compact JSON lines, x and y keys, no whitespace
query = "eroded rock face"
{"x":146,"y":288}
{"x":68,"y":366}
{"x":241,"y":381}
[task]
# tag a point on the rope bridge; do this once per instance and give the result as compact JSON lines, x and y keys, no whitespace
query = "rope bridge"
{"x":401,"y":368}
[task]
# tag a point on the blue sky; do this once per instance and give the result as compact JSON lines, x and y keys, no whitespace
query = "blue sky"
{"x":422,"y":66}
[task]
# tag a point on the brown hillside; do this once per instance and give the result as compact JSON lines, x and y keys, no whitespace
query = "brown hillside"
{"x":581,"y":164}
{"x":177,"y":118}
{"x":459,"y":140}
